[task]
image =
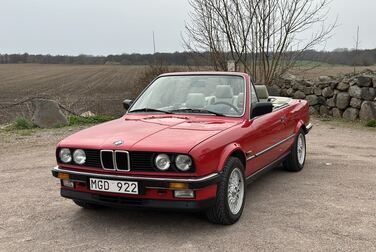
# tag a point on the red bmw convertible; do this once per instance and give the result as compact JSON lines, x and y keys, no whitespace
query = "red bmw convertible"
{"x":190,"y":141}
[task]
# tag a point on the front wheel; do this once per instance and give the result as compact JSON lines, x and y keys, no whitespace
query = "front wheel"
{"x":295,"y":161}
{"x":230,"y":194}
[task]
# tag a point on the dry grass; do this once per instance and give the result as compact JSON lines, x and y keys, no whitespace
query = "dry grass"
{"x":100,"y":89}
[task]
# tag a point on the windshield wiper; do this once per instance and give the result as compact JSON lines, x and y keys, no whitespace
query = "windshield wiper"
{"x":190,"y":110}
{"x":150,"y":110}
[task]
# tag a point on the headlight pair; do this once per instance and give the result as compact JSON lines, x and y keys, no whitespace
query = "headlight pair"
{"x":182,"y":162}
{"x":79,"y":156}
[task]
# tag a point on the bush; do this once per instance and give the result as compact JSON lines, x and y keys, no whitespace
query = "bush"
{"x":371,"y":123}
{"x":79,"y":120}
{"x":22,"y":123}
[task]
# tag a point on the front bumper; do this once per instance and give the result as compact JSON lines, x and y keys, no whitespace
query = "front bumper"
{"x":308,"y":128}
{"x":120,"y":202}
{"x":150,"y":187}
{"x":148,"y":182}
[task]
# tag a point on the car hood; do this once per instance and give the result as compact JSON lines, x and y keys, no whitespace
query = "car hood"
{"x":164,"y":133}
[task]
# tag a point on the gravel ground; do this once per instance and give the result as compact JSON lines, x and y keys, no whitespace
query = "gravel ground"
{"x":330,"y":205}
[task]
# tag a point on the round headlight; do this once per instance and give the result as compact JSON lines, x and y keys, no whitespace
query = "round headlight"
{"x":183,"y":162}
{"x":162,"y":161}
{"x":65,"y":155}
{"x":79,"y":156}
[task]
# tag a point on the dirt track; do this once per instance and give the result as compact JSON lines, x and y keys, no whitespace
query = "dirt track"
{"x":330,"y":205}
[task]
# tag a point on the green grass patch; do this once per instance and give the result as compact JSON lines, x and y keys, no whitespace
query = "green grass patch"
{"x":79,"y":120}
{"x":24,"y":127}
{"x":371,"y":123}
{"x":21,"y":123}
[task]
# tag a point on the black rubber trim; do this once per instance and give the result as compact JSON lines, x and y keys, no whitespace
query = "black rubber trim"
{"x":123,"y":202}
{"x":266,"y":169}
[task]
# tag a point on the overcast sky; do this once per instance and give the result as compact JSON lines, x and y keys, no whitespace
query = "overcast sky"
{"x":101,"y":27}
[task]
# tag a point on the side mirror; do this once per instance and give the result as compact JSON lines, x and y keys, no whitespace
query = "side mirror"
{"x":127,"y":103}
{"x":261,"y":108}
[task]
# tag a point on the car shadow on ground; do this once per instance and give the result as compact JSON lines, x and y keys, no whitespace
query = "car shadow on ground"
{"x":117,"y":218}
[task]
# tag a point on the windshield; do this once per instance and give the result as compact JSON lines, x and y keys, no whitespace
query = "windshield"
{"x":206,"y":94}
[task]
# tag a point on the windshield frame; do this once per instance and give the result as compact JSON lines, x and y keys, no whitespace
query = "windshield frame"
{"x":195,"y":74}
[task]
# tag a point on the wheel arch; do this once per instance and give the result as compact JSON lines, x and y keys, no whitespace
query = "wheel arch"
{"x":300,"y":125}
{"x":232,"y":150}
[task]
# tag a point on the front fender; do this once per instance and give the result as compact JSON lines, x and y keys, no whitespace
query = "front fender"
{"x":227,"y":152}
{"x":298,"y":126}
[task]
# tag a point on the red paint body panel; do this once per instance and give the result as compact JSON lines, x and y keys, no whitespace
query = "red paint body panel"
{"x":209,"y":140}
{"x":150,"y":133}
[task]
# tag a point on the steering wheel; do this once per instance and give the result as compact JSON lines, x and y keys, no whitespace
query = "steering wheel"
{"x":228,"y":104}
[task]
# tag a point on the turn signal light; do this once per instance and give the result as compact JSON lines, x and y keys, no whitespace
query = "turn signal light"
{"x":63,"y":175}
{"x":178,"y":185}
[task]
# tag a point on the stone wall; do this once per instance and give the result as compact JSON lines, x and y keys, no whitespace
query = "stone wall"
{"x":350,"y":97}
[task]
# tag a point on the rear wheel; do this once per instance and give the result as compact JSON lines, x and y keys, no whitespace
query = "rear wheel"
{"x":86,"y":205}
{"x":230,"y":194}
{"x":295,"y":161}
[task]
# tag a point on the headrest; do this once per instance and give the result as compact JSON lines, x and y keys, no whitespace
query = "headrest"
{"x":195,"y":100}
{"x":262,"y":92}
{"x":210,"y":100}
{"x":223,"y":91}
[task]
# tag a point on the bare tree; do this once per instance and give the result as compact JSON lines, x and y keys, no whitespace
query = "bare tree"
{"x":262,"y":37}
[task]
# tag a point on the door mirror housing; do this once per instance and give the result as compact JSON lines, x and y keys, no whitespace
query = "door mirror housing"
{"x":127,"y":103}
{"x":261,"y":108}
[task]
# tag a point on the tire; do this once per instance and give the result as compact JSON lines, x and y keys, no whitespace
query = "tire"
{"x":295,"y":161}
{"x":86,"y":205}
{"x":223,"y":212}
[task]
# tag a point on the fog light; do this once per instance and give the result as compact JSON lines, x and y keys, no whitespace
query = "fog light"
{"x":68,"y":183}
{"x":178,"y":185}
{"x":184,"y":194}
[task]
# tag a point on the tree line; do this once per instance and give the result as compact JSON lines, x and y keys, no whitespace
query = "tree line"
{"x":341,"y":56}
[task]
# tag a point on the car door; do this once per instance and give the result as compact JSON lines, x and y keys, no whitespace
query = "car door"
{"x":263,"y":135}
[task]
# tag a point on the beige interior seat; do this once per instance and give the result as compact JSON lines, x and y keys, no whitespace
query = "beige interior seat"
{"x":238,"y":100}
{"x":210,"y":100}
{"x":224,"y":93}
{"x":195,"y":100}
{"x":262,"y":93}
{"x":279,"y":102}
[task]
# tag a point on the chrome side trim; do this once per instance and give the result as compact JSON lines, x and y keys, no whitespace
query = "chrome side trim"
{"x":249,"y":155}
{"x":96,"y":175}
{"x":270,"y":148}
